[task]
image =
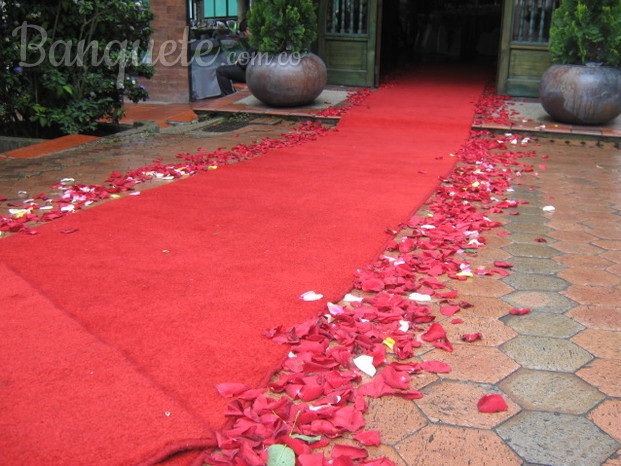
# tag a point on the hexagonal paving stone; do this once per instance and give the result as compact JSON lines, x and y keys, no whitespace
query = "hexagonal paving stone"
{"x":540,"y":301}
{"x":474,"y":363}
{"x":605,"y":374}
{"x":607,"y":417}
{"x":607,"y":233}
{"x":535,"y":265}
{"x":395,"y":417}
{"x":484,"y":307}
{"x":551,"y":391}
{"x":604,"y":296}
{"x":531,"y":250}
{"x":543,"y":324}
{"x":549,"y":438}
{"x":601,"y":317}
{"x":549,"y":354}
{"x":456,"y":445}
{"x":582,"y":261}
{"x":575,"y":247}
{"x":488,"y":287}
{"x":608,"y":244}
{"x":615,"y":460}
{"x":616,"y":269}
{"x":494,"y":332}
{"x":614,"y":256}
{"x":576,"y":236}
{"x":535,"y":282}
{"x":529,"y":238}
{"x":601,"y":343}
{"x":539,"y":229}
{"x":455,"y":403}
{"x":591,"y":277}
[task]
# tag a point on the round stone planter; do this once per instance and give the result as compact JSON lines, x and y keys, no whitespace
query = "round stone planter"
{"x":581,"y":94}
{"x":286,"y":80}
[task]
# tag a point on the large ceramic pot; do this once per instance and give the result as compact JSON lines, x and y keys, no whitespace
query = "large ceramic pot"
{"x":286,"y":80}
{"x":584,"y":95}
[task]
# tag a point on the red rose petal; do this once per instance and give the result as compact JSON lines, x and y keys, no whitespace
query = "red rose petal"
{"x":502,"y":264}
{"x":519,"y":311}
{"x":470,"y":337}
{"x":457,"y":321}
{"x":492,"y":404}
{"x":369,"y":438}
{"x":437,"y":367}
{"x":349,"y":451}
{"x":435,"y":332}
{"x":229,"y":390}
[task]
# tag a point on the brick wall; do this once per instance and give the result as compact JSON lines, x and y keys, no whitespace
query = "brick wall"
{"x":171,"y":82}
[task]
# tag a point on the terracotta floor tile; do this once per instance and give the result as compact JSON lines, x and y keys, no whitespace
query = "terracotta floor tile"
{"x":613,"y":245}
{"x":575,"y":236}
{"x":598,"y":317}
{"x":494,"y":331}
{"x":484,"y":307}
{"x":583,"y":261}
{"x":474,"y":363}
{"x":614,"y":256}
{"x":594,"y":295}
{"x":576,"y":247}
{"x":455,"y":403}
{"x":395,"y":417}
{"x":445,"y":445}
{"x":481,"y":287}
{"x":592,"y":277}
{"x":601,"y":343}
{"x":607,"y":417}
{"x":605,"y":374}
{"x":616,"y":459}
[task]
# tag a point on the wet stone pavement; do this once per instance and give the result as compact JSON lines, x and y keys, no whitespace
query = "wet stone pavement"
{"x":558,"y":367}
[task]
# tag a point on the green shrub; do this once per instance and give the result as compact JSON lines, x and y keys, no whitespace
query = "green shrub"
{"x":585,"y":31}
{"x":67,"y":63}
{"x":282,"y":25}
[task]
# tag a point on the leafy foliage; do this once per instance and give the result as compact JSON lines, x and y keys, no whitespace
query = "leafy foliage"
{"x":282,"y":25}
{"x":64,"y":64}
{"x":585,"y":31}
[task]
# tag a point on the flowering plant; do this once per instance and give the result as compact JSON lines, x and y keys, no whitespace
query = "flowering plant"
{"x":69,"y":63}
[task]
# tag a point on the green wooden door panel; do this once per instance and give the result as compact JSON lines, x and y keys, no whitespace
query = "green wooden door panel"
{"x":347,"y":41}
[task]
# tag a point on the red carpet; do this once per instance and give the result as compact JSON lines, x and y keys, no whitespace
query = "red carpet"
{"x":115,"y":336}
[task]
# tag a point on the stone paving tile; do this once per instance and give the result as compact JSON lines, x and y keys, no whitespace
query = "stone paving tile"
{"x":608,"y":244}
{"x":605,"y":374}
{"x":614,"y":256}
{"x":548,"y":354}
{"x":590,"y":277}
{"x":583,"y":261}
{"x":569,"y":225}
{"x":552,"y":438}
{"x":484,"y":307}
{"x":601,"y":343}
{"x":488,"y":287}
{"x":574,"y":236}
{"x":535,"y":265}
{"x":541,"y":324}
{"x":615,"y":460}
{"x":482,"y":364}
{"x":531,"y":250}
{"x":540,"y":301}
{"x":494,"y":331}
{"x":395,"y":416}
{"x":575,"y":247}
{"x":533,"y":228}
{"x":455,"y":403}
{"x":600,"y":317}
{"x":607,"y":417}
{"x":447,"y":445}
{"x":535,"y":282}
{"x":594,"y":295}
{"x":551,"y":391}
{"x":529,"y":238}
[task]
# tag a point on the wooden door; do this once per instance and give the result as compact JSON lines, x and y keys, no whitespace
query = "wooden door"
{"x":348,"y":41}
{"x":524,"y":54}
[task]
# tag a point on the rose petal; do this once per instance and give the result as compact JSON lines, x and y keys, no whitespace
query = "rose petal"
{"x":229,"y":390}
{"x":492,"y":404}
{"x":437,"y":367}
{"x":369,"y":438}
{"x":519,"y":311}
{"x":470,"y":337}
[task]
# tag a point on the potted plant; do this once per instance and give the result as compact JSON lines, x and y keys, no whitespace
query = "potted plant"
{"x":583,"y":86}
{"x":284,"y":73}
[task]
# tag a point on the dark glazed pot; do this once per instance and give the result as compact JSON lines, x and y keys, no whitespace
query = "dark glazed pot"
{"x":286,"y":80}
{"x":583,"y":95}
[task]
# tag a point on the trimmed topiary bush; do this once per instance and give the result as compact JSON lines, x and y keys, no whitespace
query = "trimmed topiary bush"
{"x":584,"y":31}
{"x":282,"y":25}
